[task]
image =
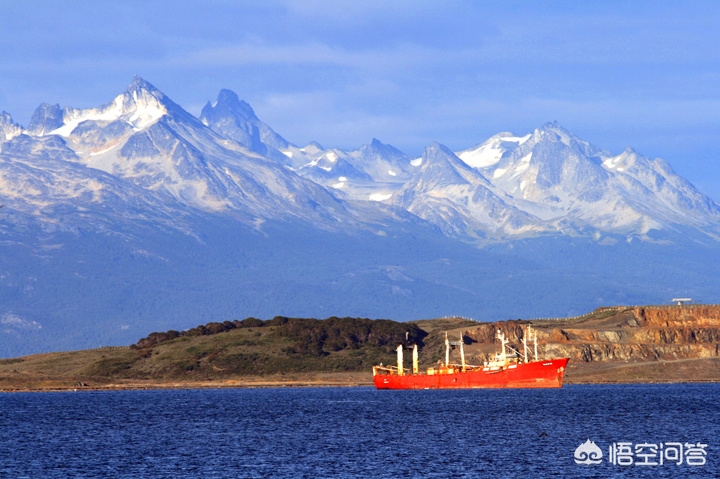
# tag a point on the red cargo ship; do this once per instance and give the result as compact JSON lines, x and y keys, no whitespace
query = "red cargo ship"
{"x":506,"y":370}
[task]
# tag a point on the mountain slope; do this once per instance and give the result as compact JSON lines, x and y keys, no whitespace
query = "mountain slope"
{"x":42,"y":182}
{"x":151,"y":142}
{"x":555,"y":175}
{"x":371,"y":172}
{"x":459,"y":200}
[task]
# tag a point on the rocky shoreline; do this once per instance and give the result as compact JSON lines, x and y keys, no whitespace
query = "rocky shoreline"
{"x":657,"y":372}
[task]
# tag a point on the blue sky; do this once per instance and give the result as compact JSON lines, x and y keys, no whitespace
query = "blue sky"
{"x":618,"y":74}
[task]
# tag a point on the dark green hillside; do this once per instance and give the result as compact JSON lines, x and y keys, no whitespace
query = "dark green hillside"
{"x":256,"y":347}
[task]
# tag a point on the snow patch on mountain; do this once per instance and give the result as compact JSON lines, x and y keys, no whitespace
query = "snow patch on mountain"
{"x":140,"y":106}
{"x":380,"y":196}
{"x":491,"y":151}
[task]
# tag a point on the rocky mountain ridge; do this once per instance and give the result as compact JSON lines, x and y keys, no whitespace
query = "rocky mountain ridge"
{"x":548,"y":182}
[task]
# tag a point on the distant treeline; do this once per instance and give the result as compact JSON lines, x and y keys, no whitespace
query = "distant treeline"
{"x":311,"y":336}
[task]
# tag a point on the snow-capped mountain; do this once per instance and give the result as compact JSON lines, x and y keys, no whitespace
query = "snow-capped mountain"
{"x":228,"y":161}
{"x":372,"y":172}
{"x":545,"y":182}
{"x":555,"y":176}
{"x":460,"y":200}
{"x":147,"y":140}
{"x":137,"y":216}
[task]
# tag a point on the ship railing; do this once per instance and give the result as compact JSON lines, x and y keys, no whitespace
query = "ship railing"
{"x":384,"y":370}
{"x":458,"y":367}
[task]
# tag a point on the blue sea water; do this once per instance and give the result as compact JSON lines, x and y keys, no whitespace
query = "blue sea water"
{"x":352,"y":432}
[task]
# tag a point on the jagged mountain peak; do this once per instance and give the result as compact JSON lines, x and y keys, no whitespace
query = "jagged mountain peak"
{"x":46,"y":118}
{"x":437,"y":153}
{"x":228,"y":103}
{"x":139,"y":84}
{"x":441,"y":167}
{"x":235,"y":119}
{"x":492,"y":150}
{"x":438,"y":147}
{"x":377,"y":147}
{"x":140,"y":106}
{"x":143,"y":95}
{"x":554,"y":132}
{"x":554,"y":127}
{"x":460,"y":200}
{"x":8,"y":128}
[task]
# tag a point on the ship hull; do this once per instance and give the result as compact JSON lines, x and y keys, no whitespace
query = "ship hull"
{"x":535,"y":374}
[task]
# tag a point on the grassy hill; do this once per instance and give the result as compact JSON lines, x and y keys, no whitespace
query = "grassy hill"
{"x":221,"y":351}
{"x":622,"y":344}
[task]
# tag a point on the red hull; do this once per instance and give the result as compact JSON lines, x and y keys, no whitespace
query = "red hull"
{"x":535,"y":374}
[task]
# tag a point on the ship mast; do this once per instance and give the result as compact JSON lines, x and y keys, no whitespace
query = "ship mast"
{"x":400,"y":360}
{"x":530,"y":334}
{"x":416,"y":368}
{"x":503,"y":342}
{"x":447,"y":350}
{"x":461,"y":344}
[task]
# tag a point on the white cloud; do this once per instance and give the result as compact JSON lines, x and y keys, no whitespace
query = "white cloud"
{"x":14,"y":321}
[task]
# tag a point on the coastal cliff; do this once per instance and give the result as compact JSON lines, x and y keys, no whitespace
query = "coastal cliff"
{"x":647,"y":333}
{"x":601,"y":343}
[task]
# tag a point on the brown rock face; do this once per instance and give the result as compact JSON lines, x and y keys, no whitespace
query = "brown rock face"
{"x":614,"y":334}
